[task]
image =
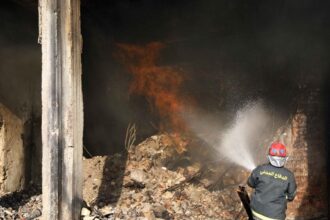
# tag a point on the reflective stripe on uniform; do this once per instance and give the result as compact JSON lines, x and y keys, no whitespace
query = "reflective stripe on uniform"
{"x":262,"y":217}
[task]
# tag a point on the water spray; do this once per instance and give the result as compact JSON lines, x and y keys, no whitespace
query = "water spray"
{"x":239,"y":142}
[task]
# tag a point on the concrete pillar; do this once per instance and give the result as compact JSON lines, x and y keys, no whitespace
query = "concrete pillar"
{"x":62,"y":114}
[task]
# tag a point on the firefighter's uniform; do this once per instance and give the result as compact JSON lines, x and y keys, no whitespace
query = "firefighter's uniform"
{"x":273,"y":187}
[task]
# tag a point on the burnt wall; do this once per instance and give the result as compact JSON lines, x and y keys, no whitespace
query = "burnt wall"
{"x":308,"y":147}
{"x":20,"y":76}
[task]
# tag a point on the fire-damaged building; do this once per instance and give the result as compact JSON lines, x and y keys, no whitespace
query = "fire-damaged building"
{"x":160,"y":109}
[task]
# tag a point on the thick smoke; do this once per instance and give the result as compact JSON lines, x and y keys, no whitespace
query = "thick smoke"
{"x":231,"y":52}
{"x":20,"y":60}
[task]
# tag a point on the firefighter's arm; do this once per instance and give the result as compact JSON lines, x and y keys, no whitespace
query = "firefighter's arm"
{"x":252,"y":180}
{"x":292,"y":189}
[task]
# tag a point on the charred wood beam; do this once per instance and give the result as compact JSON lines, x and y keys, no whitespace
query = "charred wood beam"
{"x":62,"y":114}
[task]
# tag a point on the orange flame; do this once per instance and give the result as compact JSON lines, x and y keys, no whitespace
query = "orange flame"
{"x":160,"y":84}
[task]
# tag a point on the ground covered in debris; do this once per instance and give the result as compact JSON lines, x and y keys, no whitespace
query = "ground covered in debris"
{"x":164,"y":177}
{"x":21,"y":205}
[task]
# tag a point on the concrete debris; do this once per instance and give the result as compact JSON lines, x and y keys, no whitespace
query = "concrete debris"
{"x":138,"y":177}
{"x":85,"y":212}
{"x":154,"y":180}
{"x":26,"y":204}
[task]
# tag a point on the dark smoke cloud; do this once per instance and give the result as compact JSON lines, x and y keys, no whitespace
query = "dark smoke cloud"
{"x":232,"y":52}
{"x":20,"y":60}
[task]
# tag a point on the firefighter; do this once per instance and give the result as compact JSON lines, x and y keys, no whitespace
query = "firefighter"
{"x":273,"y":186}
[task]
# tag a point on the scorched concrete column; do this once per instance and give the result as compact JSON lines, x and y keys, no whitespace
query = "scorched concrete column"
{"x":62,"y":113}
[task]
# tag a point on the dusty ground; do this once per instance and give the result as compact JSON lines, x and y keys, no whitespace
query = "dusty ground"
{"x":157,"y":180}
{"x":161,"y":178}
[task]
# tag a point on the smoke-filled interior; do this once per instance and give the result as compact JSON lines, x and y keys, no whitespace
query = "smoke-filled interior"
{"x":213,"y":57}
{"x":226,"y":76}
{"x":236,"y":75}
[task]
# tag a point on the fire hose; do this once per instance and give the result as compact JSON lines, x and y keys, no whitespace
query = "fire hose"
{"x":245,"y":199}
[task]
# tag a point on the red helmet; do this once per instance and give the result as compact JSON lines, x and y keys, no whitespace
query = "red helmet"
{"x":277,"y":149}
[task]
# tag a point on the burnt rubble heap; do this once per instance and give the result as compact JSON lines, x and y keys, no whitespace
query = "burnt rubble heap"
{"x":158,"y":180}
{"x":161,"y":178}
{"x":25,"y":204}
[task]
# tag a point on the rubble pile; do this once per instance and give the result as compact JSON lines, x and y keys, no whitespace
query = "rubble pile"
{"x":25,"y":204}
{"x":158,"y":180}
{"x":164,"y":177}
